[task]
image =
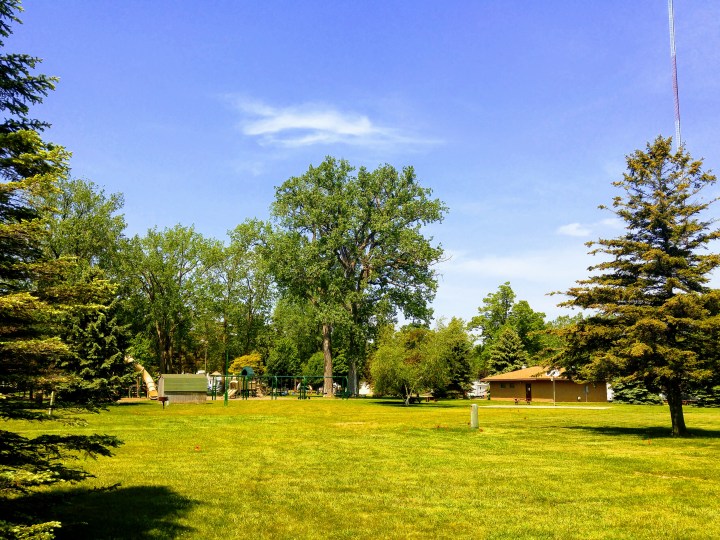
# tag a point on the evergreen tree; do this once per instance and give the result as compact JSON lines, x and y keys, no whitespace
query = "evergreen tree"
{"x":33,"y":300}
{"x":29,"y":344}
{"x":656,"y":322}
{"x":96,"y":367}
{"x":634,"y":392}
{"x":20,"y":87}
{"x":507,"y":353}
{"x":455,"y":351}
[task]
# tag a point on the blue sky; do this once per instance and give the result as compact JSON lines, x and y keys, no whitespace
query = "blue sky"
{"x":517,"y":114}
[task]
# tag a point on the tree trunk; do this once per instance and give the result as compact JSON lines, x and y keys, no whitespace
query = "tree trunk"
{"x":170,"y":363}
{"x":161,"y":346}
{"x":352,"y":378}
{"x":327,"y":355}
{"x":674,"y":397}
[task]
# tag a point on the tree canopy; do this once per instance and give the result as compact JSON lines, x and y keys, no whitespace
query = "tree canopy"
{"x":407,"y":362}
{"x":352,"y":246}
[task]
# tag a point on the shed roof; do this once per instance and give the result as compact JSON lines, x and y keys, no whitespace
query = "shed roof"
{"x":534,"y":373}
{"x":184,"y":383}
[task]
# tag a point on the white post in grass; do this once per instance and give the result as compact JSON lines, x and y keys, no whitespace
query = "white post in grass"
{"x":474,"y":423}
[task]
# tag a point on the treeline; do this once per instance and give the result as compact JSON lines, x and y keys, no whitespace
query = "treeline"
{"x":280,"y":295}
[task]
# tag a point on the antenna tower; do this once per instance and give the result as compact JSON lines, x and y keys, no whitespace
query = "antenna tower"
{"x":671,"y":16}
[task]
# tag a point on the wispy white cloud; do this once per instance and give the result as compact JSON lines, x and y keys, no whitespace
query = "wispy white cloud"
{"x":588,"y":229}
{"x":314,"y":124}
{"x":573,"y":229}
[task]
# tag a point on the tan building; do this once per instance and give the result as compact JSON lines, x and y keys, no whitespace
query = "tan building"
{"x":538,"y":384}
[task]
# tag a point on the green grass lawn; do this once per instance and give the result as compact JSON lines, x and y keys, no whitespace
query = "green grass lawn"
{"x":328,"y":468}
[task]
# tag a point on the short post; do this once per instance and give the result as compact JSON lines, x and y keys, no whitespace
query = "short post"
{"x":225,"y":379}
{"x":52,"y":402}
{"x":474,"y":422}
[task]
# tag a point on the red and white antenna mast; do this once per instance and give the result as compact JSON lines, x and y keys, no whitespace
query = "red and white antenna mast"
{"x":671,"y":16}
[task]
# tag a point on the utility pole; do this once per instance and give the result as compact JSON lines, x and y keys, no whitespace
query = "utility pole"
{"x":673,"y":59}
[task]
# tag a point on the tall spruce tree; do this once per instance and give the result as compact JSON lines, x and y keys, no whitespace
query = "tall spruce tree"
{"x":655,"y":319}
{"x":32,"y":302}
{"x":507,"y":352}
{"x":455,"y":350}
{"x":95,"y":371}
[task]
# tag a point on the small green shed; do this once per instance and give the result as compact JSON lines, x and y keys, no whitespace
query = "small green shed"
{"x":183,"y":388}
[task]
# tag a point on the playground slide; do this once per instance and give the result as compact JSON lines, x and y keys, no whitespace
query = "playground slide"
{"x":149,"y":383}
{"x":232,"y":392}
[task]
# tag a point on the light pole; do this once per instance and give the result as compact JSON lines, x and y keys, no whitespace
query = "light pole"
{"x":205,"y":344}
{"x":225,"y":381}
{"x":553,"y":381}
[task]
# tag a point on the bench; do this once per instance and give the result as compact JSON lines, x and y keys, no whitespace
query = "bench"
{"x":520,"y":400}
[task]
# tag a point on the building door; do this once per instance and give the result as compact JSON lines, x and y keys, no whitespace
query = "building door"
{"x":528,"y":392}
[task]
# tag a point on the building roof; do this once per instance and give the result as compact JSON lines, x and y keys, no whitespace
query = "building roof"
{"x":534,"y":373}
{"x":184,"y":383}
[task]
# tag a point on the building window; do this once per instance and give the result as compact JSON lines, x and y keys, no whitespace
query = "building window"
{"x":512,"y":385}
{"x":502,"y":385}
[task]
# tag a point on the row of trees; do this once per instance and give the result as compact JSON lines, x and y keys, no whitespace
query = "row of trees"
{"x":344,"y":255}
{"x":184,"y":300}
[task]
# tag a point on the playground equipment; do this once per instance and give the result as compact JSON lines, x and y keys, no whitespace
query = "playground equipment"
{"x":247,"y":384}
{"x":279,"y":385}
{"x":146,"y":377}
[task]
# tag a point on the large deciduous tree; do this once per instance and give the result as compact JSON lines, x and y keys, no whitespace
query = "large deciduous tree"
{"x":654,"y":320}
{"x":167,"y":271}
{"x":85,"y":223}
{"x":294,"y":337}
{"x":240,"y":292}
{"x":83,"y":226}
{"x":352,"y":245}
{"x":408,"y":362}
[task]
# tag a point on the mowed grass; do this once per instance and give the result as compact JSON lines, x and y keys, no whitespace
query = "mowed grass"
{"x":375,"y":469}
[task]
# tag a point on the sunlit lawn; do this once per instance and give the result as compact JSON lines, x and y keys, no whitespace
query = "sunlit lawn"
{"x":374,"y":469}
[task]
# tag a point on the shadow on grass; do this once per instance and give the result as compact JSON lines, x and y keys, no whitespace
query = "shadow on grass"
{"x":128,"y":403}
{"x":140,"y":512}
{"x":414,"y":405}
{"x":647,"y":432}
